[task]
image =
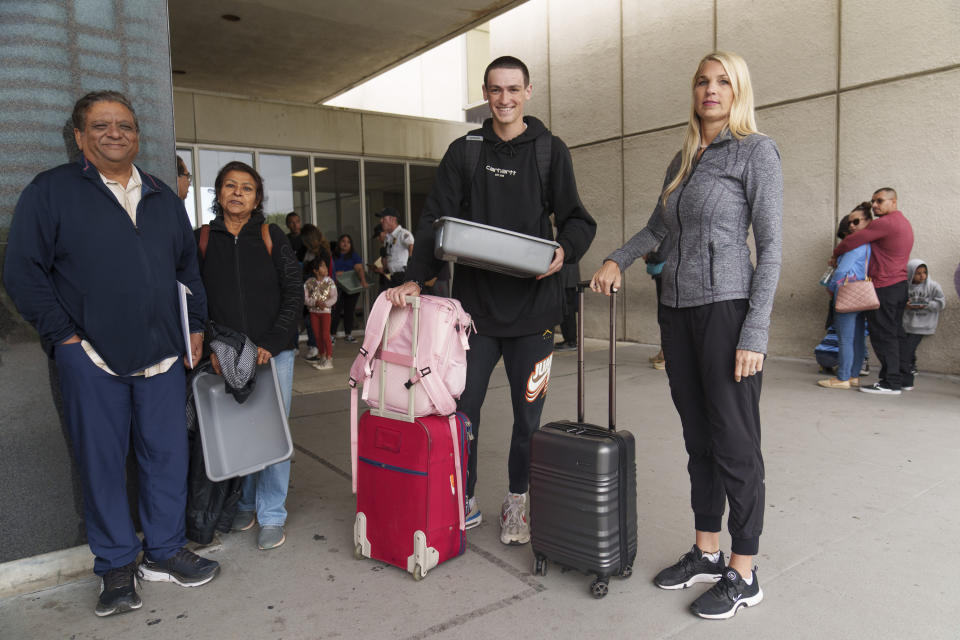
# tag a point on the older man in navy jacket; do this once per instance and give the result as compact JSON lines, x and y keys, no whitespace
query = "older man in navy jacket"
{"x":95,"y":251}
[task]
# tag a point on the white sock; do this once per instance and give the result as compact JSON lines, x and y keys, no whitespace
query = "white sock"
{"x":712,"y":557}
{"x":748,"y":578}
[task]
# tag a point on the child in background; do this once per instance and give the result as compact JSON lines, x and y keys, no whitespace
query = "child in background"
{"x":924,"y":302}
{"x":320,"y":294}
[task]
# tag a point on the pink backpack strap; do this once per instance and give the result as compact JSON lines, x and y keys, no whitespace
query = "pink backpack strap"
{"x":360,"y":371}
{"x":436,"y":390}
{"x":455,"y":440}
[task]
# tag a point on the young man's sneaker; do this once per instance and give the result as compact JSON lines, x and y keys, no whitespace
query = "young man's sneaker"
{"x":514,"y":521}
{"x":184,"y":567}
{"x":474,"y":517}
{"x":350,"y":339}
{"x":691,"y":568}
{"x":880,"y":388}
{"x":312,"y":354}
{"x":118,"y":591}
{"x":724,"y":598}
{"x":907,"y":388}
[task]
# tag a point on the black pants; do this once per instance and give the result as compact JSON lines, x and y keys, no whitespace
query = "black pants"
{"x":720,"y":418}
{"x":345,"y":305}
{"x":527,"y":360}
{"x":887,"y":334}
{"x":909,"y":355}
{"x":568,"y":326}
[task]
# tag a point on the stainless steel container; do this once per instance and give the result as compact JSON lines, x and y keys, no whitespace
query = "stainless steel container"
{"x":492,"y":248}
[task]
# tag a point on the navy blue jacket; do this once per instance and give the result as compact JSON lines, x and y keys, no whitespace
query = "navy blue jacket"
{"x":76,"y":263}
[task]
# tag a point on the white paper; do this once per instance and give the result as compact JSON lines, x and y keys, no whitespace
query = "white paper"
{"x":185,"y":319}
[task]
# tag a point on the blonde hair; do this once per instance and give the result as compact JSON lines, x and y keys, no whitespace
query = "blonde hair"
{"x":741,"y":122}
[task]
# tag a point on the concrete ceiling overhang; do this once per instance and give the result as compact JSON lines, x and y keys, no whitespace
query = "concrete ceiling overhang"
{"x":309,"y":50}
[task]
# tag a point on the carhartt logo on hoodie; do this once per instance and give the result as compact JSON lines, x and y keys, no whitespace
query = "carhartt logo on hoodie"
{"x":500,"y":173}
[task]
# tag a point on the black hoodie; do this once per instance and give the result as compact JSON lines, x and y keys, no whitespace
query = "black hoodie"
{"x":257,"y":293}
{"x":505,"y":192}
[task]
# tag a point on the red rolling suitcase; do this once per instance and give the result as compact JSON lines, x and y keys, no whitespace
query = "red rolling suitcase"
{"x":583,"y":487}
{"x":409,"y":474}
{"x":411,"y":478}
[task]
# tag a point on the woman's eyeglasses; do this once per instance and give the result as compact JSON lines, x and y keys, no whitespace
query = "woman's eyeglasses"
{"x":188,"y":176}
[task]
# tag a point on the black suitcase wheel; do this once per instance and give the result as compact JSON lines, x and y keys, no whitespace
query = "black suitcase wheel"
{"x":540,"y":566}
{"x":599,"y":588}
{"x":627,"y":571}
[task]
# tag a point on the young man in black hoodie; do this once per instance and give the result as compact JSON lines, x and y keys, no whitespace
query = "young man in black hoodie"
{"x":514,"y":317}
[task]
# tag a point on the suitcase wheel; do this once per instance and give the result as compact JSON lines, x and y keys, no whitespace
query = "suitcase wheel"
{"x":540,"y":566}
{"x":599,"y":588}
{"x":358,"y":552}
{"x":418,"y":572}
{"x":627,"y":571}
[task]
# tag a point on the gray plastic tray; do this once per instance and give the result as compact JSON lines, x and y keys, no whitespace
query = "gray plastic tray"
{"x":491,"y":248}
{"x":240,"y":439}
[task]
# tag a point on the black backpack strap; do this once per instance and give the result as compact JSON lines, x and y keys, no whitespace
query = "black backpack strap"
{"x":471,"y":160}
{"x":542,"y":147}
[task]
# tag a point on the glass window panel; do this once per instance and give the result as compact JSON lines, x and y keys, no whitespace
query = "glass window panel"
{"x":384,"y":188}
{"x":190,"y":202}
{"x":421,"y":181}
{"x":211,"y":161}
{"x":338,"y":199}
{"x":286,"y":187}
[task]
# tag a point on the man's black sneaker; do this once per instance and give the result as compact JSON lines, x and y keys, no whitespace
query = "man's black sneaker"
{"x":118,"y":591}
{"x":724,"y":598}
{"x":880,"y":388}
{"x":184,"y":567}
{"x":690,"y":569}
{"x":566,"y":345}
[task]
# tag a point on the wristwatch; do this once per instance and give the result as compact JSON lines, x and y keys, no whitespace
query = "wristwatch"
{"x":419,"y":283}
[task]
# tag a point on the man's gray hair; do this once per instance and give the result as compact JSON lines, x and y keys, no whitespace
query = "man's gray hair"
{"x":83,"y":105}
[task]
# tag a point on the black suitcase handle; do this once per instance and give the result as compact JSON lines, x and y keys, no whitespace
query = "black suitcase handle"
{"x":581,"y":382}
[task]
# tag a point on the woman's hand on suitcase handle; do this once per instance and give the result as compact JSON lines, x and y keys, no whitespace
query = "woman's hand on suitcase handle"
{"x":555,"y":265}
{"x":748,"y":363}
{"x":397,"y":295}
{"x":606,"y":278}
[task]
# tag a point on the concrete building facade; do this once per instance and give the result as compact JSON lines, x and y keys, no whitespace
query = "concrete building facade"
{"x":858,"y":95}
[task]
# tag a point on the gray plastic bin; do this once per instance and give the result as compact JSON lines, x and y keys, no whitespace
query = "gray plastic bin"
{"x":492,"y":248}
{"x":240,"y":439}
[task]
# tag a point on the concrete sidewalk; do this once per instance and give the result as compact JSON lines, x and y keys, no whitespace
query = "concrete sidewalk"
{"x":860,"y":491}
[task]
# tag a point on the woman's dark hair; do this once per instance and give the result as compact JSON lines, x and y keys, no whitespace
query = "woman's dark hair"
{"x":311,"y":237}
{"x":322,"y":258}
{"x":236,"y":165}
{"x":336,"y":249}
{"x":844,"y":230}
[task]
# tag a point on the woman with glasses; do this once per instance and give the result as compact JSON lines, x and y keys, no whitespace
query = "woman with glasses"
{"x":183,"y":179}
{"x":849,"y":326}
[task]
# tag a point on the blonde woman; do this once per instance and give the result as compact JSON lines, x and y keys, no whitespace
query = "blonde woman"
{"x":714,"y":321}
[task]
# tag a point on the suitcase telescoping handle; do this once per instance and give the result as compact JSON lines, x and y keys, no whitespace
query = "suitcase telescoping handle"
{"x":612,"y":377}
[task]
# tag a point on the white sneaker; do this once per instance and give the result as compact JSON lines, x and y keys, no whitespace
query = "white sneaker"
{"x":311,"y":353}
{"x":326,"y":363}
{"x":474,"y":517}
{"x":514,"y":521}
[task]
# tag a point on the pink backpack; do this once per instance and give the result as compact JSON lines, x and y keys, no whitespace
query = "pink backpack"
{"x":413,"y":361}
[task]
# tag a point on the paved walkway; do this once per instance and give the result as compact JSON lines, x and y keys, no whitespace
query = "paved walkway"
{"x":860,"y":491}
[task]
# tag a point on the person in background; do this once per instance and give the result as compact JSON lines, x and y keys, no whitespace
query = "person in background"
{"x":293,"y":224}
{"x":891,"y":239}
{"x":256,"y":290}
{"x":714,"y":319}
{"x":96,"y":248}
{"x":924,"y":302}
{"x":345,"y":260}
{"x":398,"y":243}
{"x":849,"y":327}
{"x":183,"y":179}
{"x":320,"y":294}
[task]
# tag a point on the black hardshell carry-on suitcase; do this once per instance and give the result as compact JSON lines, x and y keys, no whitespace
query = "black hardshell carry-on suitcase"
{"x":583,"y":486}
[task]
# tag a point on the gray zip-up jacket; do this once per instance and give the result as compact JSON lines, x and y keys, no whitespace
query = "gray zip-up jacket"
{"x":702,"y":230}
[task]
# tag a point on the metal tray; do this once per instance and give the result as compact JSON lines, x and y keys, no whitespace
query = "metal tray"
{"x":240,"y":439}
{"x":492,"y":248}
